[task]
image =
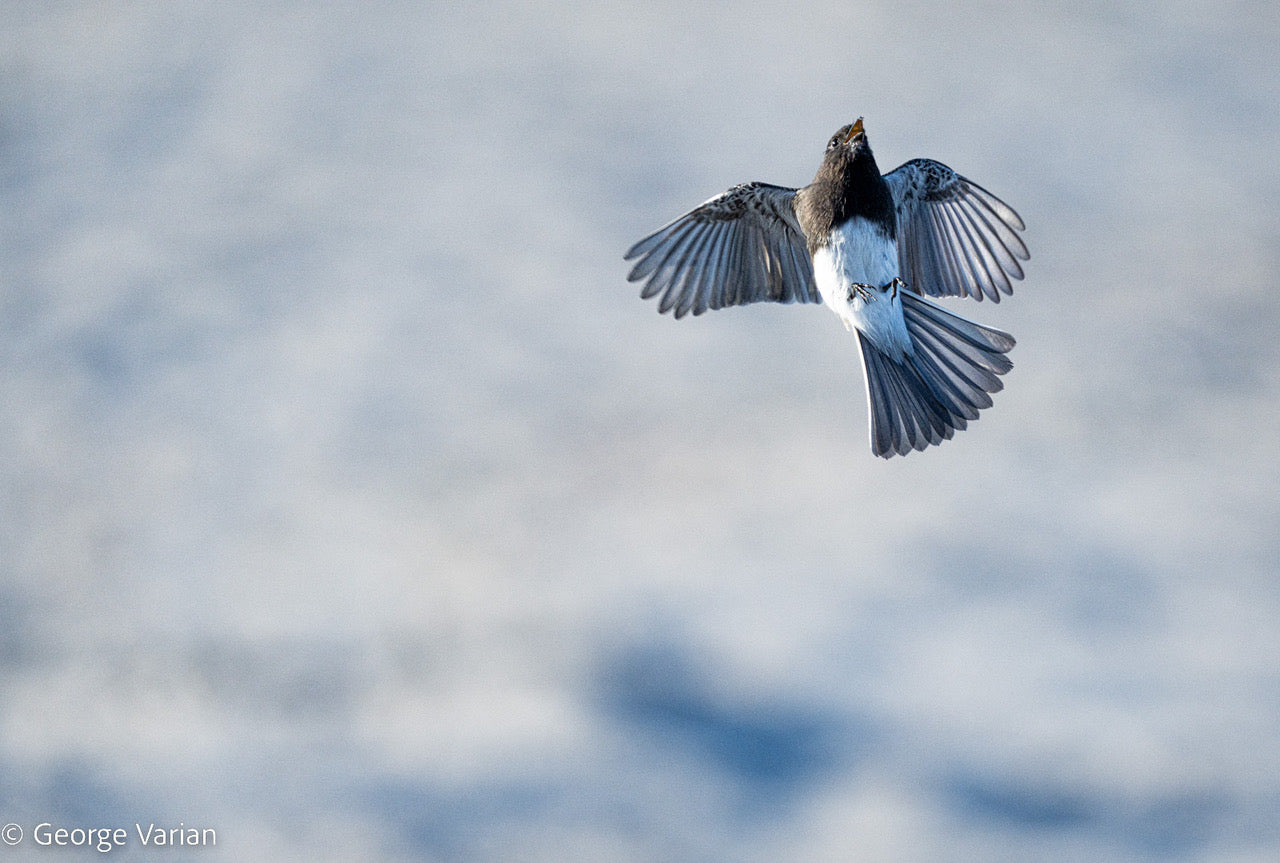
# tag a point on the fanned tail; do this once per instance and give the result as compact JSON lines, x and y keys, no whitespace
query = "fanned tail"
{"x":949,"y":376}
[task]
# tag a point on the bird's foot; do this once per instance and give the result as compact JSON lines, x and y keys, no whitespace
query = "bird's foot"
{"x":858,"y":289}
{"x":867,"y":292}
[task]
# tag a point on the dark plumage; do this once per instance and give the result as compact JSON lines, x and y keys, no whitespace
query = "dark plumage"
{"x":847,"y":184}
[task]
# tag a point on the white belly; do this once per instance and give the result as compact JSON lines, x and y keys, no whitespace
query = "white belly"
{"x":860,"y":254}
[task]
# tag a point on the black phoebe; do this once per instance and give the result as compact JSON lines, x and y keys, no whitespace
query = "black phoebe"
{"x":870,"y":247}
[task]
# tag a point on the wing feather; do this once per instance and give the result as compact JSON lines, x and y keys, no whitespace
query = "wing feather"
{"x":975,"y":255}
{"x":743,"y":246}
{"x":954,"y":237}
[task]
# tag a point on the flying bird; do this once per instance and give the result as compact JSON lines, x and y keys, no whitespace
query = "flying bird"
{"x":871,"y":247}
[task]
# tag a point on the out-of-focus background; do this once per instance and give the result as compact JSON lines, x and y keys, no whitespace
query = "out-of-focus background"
{"x":353,"y":504}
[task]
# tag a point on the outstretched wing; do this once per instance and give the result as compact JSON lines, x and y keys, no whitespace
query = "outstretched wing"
{"x":743,"y":246}
{"x":954,"y":237}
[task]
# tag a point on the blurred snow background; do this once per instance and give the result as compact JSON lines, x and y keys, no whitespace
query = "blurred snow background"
{"x":354,"y":505}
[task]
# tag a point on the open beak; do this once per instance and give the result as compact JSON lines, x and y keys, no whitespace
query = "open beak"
{"x":855,"y":131}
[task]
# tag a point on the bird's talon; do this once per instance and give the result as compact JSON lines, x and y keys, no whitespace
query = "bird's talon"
{"x":860,"y":290}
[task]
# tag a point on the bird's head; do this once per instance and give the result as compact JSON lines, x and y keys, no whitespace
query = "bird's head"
{"x":852,"y":136}
{"x":848,"y":164}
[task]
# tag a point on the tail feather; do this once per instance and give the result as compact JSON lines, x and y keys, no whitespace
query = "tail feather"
{"x":975,"y":334}
{"x":947,"y":379}
{"x":929,"y":416}
{"x":969,"y":382}
{"x":960,"y":396}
